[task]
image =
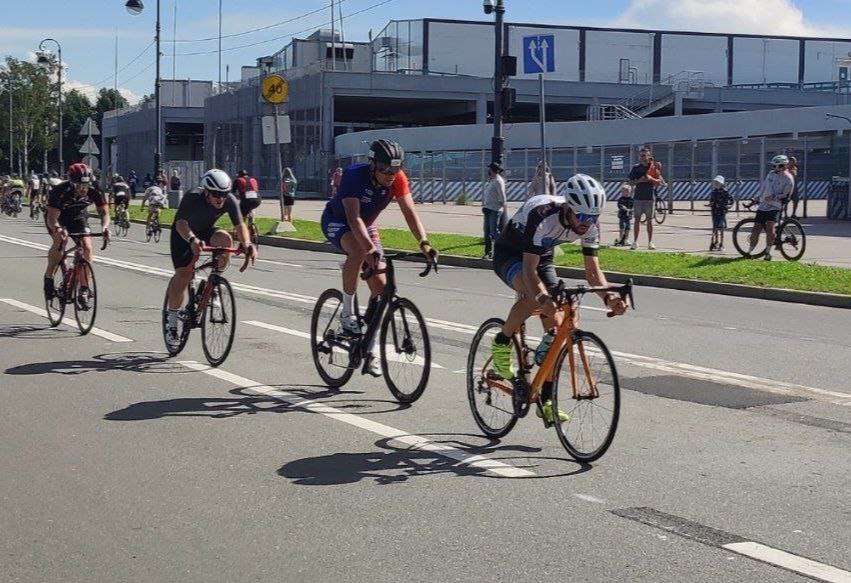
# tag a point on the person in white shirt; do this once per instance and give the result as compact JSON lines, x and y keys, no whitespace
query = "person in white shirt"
{"x":156,"y":200}
{"x":493,"y":206}
{"x":776,"y":188}
{"x":543,"y":182}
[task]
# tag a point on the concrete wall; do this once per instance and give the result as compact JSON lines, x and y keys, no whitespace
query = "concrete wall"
{"x":764,"y":60}
{"x":683,"y":52}
{"x":822,"y":60}
{"x":466,"y":49}
{"x":605,"y":49}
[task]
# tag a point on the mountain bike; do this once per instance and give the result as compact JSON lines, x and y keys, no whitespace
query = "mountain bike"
{"x":75,"y":284}
{"x":154,"y":230}
{"x":591,"y":399}
{"x":405,"y":350}
{"x":790,"y":239}
{"x":211,"y":306}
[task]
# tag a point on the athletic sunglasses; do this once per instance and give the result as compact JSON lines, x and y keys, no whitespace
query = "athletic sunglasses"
{"x":388,"y":170}
{"x":217,"y":194}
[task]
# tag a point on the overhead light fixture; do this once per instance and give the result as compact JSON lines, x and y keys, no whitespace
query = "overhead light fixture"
{"x":134,"y":7}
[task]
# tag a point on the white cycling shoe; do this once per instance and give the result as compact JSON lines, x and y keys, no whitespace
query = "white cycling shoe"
{"x":372,"y":366}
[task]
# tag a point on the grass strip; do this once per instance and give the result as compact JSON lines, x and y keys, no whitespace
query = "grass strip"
{"x":776,"y":274}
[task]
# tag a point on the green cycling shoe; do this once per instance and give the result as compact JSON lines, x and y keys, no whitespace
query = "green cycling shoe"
{"x":545,"y":412}
{"x":501,"y":360}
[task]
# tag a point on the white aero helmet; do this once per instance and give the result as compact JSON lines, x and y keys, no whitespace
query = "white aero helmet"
{"x":585,"y":195}
{"x":216,"y":180}
{"x":780,"y":160}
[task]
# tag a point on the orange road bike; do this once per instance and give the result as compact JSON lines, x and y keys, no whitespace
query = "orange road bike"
{"x":75,"y":284}
{"x":592,"y":398}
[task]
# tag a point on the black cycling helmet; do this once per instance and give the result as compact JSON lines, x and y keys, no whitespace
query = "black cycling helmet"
{"x":242,"y":173}
{"x":387,"y":152}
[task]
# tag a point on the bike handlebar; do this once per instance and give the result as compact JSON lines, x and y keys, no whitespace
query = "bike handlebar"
{"x":564,"y":295}
{"x":431,"y":263}
{"x":76,"y":236}
{"x":239,"y":250}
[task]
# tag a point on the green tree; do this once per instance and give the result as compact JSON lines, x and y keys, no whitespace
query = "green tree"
{"x":108,"y":99}
{"x":33,"y":109}
{"x":76,"y":109}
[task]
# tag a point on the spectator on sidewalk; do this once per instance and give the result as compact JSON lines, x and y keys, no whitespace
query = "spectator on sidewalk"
{"x":133,"y":181}
{"x":493,"y":206}
{"x":645,"y":177}
{"x":175,"y":183}
{"x":148,"y":181}
{"x":288,"y":189}
{"x":792,"y":169}
{"x":625,"y":205}
{"x":543,"y":181}
{"x":720,"y":202}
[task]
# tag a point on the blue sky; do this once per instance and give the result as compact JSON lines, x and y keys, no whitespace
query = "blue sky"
{"x":88,"y":34}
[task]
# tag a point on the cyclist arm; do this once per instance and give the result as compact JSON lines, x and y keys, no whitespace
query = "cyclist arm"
{"x":356,"y":224}
{"x":595,"y":277}
{"x":240,"y":229}
{"x":52,"y":219}
{"x":103,"y":213}
{"x":406,"y":204}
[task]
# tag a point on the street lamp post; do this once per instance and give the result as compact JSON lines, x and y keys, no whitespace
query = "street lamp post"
{"x":42,"y":59}
{"x":498,"y":141}
{"x":135,"y":8}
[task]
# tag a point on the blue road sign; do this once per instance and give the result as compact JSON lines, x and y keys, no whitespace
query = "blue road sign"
{"x":539,"y":54}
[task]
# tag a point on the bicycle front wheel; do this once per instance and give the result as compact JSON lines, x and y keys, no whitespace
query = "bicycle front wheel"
{"x":741,"y":239}
{"x":330,"y":348}
{"x":157,"y":234}
{"x":792,"y":239}
{"x":85,"y":297}
{"x":490,"y":395}
{"x":56,"y":304}
{"x":218,"y":324}
{"x":405,"y":351}
{"x":587,"y":388}
{"x":659,"y":213}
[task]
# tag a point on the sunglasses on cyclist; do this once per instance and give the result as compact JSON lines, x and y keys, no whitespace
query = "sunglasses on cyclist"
{"x":776,"y":166}
{"x":217,"y":194}
{"x":388,"y":170}
{"x":583,"y":218}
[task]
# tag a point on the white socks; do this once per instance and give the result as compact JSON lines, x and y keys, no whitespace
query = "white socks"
{"x":348,"y":304}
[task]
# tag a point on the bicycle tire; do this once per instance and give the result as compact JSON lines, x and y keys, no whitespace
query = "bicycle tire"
{"x":574,"y":429}
{"x":406,"y":350}
{"x":319,"y":335}
{"x":85,"y":317}
{"x":793,"y":239}
{"x":226,"y":310}
{"x":659,"y":214}
{"x":184,"y":331}
{"x":157,"y":234}
{"x":741,"y":239}
{"x":55,"y":306}
{"x":478,"y":387}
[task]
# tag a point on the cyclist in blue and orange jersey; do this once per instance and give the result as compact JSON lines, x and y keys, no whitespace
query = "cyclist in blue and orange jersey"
{"x":349,"y":223}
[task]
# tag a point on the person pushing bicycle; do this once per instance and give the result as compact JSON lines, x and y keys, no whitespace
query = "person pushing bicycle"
{"x":348,"y":222}
{"x":774,"y":191}
{"x":523,"y":260}
{"x":194,"y":224}
{"x":67,"y":206}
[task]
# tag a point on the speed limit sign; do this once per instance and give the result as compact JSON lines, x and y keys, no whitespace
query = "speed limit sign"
{"x":275,"y":89}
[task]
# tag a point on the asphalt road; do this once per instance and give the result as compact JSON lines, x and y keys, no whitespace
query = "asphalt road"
{"x":731,"y":461}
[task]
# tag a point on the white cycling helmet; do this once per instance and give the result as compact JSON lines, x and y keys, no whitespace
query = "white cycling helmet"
{"x":780,"y":160}
{"x":585,"y":195}
{"x":216,"y":180}
{"x":154,"y":191}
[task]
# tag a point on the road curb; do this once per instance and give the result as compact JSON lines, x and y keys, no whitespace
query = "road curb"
{"x":692,"y":285}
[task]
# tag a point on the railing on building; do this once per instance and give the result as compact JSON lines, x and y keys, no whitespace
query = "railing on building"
{"x":651,"y":98}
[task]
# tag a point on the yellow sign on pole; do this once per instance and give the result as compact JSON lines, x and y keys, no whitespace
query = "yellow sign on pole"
{"x":275,"y":89}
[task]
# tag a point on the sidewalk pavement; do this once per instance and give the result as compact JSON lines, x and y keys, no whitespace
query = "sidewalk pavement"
{"x":828,"y":242}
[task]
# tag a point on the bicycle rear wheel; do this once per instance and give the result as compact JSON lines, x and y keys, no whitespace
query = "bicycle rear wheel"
{"x":659,"y":212}
{"x":793,"y":240}
{"x":157,"y":234}
{"x":405,"y":351}
{"x":85,"y":297}
{"x":489,"y":395}
{"x":330,"y":348}
{"x":594,"y":407}
{"x":56,"y":304}
{"x":741,"y":239}
{"x":218,"y":325}
{"x":185,"y":328}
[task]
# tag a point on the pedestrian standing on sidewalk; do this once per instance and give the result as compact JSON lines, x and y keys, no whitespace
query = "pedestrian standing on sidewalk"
{"x":720,"y":202}
{"x":645,"y":177}
{"x":625,"y":204}
{"x":543,"y":181}
{"x":792,"y":169}
{"x":493,"y":206}
{"x":175,"y":183}
{"x":288,"y":189}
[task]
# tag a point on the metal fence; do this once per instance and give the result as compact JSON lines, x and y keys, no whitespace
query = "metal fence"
{"x":688,"y":167}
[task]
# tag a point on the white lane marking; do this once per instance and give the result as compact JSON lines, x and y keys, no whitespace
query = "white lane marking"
{"x":283,"y":263}
{"x":688,"y":370}
{"x":391,"y":353}
{"x":789,"y":561}
{"x":67,"y":321}
{"x":590,"y":498}
{"x":397,"y":435}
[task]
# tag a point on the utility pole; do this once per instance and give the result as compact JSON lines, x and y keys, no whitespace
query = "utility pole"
{"x":497,"y":7}
{"x":43,"y":60}
{"x":135,"y":8}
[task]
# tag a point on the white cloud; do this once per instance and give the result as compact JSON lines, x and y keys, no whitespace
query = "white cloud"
{"x":780,"y":17}
{"x":91,"y":91}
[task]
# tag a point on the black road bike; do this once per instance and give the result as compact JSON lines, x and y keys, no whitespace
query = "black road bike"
{"x":75,"y":284}
{"x":790,"y":239}
{"x":405,"y":350}
{"x":211,"y":306}
{"x":154,"y":230}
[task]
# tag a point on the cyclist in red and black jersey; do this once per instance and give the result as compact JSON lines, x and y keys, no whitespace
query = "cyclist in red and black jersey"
{"x":248,"y":192}
{"x":67,"y":212}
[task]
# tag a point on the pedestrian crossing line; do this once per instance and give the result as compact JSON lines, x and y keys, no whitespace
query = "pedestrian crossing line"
{"x":396,"y":435}
{"x":391,"y":353}
{"x":67,"y":321}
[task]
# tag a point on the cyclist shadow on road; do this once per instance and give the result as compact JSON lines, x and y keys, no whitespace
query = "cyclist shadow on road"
{"x":36,"y":332}
{"x":399,"y":463}
{"x":146,"y":362}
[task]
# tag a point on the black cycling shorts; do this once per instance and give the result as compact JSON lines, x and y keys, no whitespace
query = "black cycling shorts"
{"x":763,"y":217}
{"x":247,"y":205}
{"x":508,"y":264}
{"x":119,"y":200}
{"x":181,"y":251}
{"x":72,"y":223}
